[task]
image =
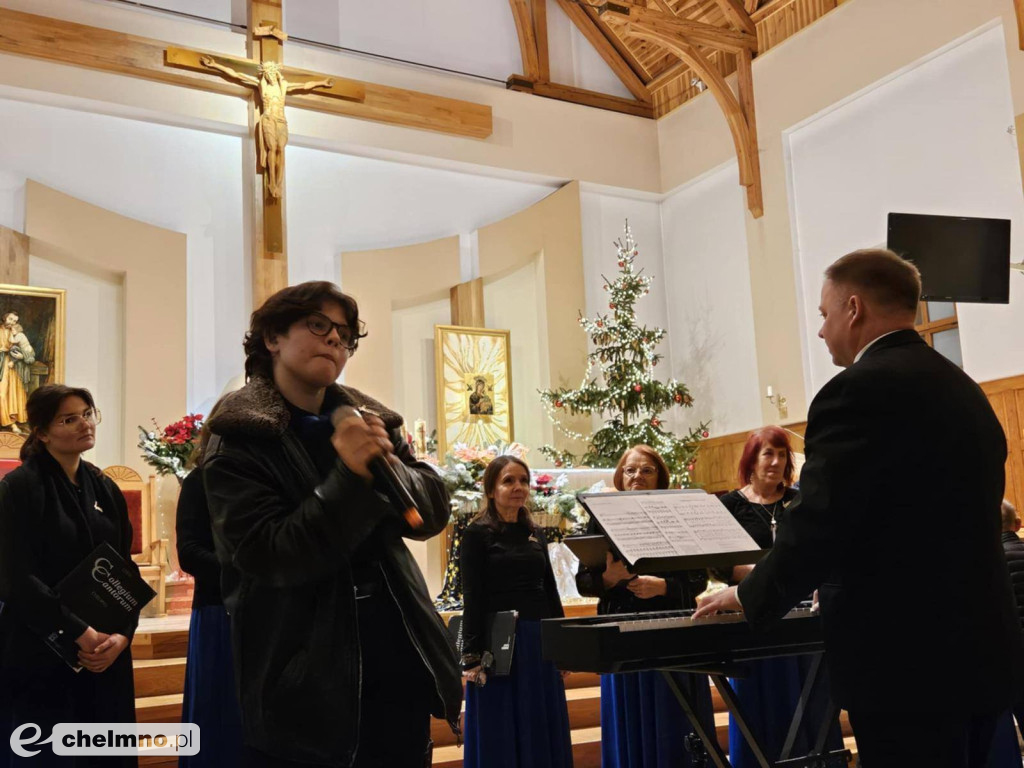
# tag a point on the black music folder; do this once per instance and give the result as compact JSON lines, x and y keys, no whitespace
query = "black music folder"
{"x":656,"y":531}
{"x":106,"y":593}
{"x":499,"y":639}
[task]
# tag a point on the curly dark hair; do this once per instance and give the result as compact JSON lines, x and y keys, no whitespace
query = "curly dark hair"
{"x":285,"y":307}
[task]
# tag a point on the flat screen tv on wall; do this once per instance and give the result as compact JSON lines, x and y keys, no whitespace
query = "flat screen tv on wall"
{"x":960,"y":258}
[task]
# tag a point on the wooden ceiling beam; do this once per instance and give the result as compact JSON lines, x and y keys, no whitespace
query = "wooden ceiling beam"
{"x":607,"y":50}
{"x":739,"y":112}
{"x":737,"y":15}
{"x":751,"y":5}
{"x":668,"y":76}
{"x":540,"y":34}
{"x":527,"y":38}
{"x":582,"y":96}
{"x":65,"y":42}
{"x":1018,"y":6}
{"x":696,"y":32}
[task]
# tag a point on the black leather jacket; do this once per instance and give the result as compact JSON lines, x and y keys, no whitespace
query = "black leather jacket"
{"x":284,"y":535}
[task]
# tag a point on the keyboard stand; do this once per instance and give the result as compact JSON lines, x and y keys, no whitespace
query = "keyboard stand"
{"x":817,"y":759}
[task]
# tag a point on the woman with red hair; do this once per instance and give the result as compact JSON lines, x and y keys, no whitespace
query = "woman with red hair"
{"x":769,"y":691}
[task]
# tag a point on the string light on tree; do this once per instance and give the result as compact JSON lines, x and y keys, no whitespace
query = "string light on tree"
{"x":623,"y":389}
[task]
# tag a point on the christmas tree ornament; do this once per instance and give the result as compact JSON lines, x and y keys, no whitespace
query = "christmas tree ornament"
{"x":638,"y":388}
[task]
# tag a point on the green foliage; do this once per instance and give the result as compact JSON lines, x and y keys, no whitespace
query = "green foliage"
{"x":619,"y":384}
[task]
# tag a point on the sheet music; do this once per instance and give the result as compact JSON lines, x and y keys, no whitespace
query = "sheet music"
{"x":668,"y":524}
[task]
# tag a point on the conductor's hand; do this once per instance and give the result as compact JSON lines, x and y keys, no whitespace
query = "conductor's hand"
{"x":104,"y":655}
{"x":723,"y":600}
{"x":360,"y":440}
{"x":615,"y":571}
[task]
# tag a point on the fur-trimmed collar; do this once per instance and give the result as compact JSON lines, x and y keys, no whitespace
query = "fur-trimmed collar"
{"x":259,"y":410}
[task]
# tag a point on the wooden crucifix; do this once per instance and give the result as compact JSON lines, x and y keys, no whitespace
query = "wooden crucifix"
{"x":80,"y":45}
{"x":271,"y":82}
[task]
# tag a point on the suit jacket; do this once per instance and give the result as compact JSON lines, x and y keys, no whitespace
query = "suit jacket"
{"x":898,"y":523}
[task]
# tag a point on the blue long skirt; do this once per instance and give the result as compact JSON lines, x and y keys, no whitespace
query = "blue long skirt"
{"x":210,"y":699}
{"x":768,"y":696}
{"x":642,"y":723}
{"x":1005,"y":753}
{"x":520,"y":720}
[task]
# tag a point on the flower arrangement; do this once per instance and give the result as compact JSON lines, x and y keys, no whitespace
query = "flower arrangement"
{"x":168,"y":450}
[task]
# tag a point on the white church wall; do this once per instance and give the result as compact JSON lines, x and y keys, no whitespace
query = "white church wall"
{"x":711,"y":322}
{"x":184,"y":180}
{"x":933,"y":140}
{"x":342,"y":203}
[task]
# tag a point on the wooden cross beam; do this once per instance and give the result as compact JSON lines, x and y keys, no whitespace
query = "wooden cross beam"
{"x":683,"y":38}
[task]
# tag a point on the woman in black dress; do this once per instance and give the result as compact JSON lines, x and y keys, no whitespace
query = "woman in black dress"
{"x":520,"y":720}
{"x":642,"y":723}
{"x":769,"y":692}
{"x":55,"y":509}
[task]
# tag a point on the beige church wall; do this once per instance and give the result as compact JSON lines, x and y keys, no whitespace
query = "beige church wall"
{"x":150,"y":263}
{"x":402,"y":292}
{"x":850,"y":49}
{"x":550,"y":233}
{"x":532,"y":136}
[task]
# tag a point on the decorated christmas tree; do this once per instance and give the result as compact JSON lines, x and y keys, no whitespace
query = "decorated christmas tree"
{"x":620,"y":385}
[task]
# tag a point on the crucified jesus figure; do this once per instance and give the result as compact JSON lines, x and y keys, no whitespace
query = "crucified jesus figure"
{"x":272,"y":130}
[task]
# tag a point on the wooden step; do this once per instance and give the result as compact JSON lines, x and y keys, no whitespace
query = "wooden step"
{"x":159,"y":709}
{"x":159,"y":677}
{"x":160,"y":645}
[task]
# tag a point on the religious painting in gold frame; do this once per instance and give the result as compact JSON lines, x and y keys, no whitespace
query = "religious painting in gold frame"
{"x":31,"y":348}
{"x":474,"y":386}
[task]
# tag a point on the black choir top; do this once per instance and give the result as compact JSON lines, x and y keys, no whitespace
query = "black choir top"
{"x":196,"y":553}
{"x":504,"y":568}
{"x":756,"y":518}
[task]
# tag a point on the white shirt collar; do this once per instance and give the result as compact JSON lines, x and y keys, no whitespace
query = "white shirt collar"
{"x":867,"y":346}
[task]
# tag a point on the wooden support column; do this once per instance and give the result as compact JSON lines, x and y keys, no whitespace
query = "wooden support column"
{"x":269,"y":251}
{"x":467,"y":301}
{"x":13,"y":257}
{"x":1018,"y":6}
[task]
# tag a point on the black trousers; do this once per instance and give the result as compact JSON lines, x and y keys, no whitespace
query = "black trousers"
{"x":903,"y":739}
{"x":396,"y":694}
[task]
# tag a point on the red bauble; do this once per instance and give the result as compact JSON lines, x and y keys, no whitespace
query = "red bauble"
{"x":611,"y":306}
{"x":599,"y":324}
{"x":705,"y":433}
{"x":678,"y":398}
{"x":636,"y":253}
{"x":558,"y":462}
{"x":655,"y":422}
{"x":689,"y":467}
{"x":622,"y":264}
{"x":638,"y":388}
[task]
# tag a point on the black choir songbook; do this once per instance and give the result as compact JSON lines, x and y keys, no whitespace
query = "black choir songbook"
{"x":499,"y":639}
{"x":656,"y":531}
{"x":106,"y":593}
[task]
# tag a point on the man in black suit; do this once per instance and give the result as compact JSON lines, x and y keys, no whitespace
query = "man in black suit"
{"x":899,"y":528}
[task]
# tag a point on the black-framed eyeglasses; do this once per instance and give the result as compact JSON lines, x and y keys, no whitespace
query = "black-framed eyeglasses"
{"x":320,"y":324}
{"x":75,"y":420}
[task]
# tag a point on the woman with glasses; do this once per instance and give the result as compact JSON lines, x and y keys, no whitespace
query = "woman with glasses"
{"x":642,"y":723}
{"x":339,"y":654}
{"x":55,"y":509}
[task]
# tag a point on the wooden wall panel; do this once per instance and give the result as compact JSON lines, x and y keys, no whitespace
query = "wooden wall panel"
{"x":719,"y":457}
{"x":1007,"y":399}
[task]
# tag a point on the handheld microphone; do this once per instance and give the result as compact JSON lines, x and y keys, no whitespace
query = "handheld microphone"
{"x":385,"y":474}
